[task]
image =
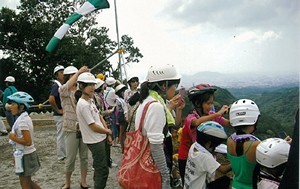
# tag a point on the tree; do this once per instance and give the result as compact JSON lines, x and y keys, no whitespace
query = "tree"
{"x":25,"y":34}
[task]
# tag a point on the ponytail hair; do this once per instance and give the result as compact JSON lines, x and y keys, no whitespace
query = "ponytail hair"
{"x":144,"y":92}
{"x":77,"y":95}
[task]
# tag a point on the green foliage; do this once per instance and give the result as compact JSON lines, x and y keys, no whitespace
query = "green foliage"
{"x":25,"y":34}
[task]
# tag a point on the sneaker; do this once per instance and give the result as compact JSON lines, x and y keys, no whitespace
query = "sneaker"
{"x":61,"y":161}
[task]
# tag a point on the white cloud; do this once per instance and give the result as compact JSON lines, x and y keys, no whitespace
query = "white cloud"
{"x":256,"y":37}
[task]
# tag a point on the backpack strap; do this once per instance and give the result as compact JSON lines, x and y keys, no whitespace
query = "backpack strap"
{"x":11,"y":91}
{"x":240,"y":146}
{"x":144,"y":113}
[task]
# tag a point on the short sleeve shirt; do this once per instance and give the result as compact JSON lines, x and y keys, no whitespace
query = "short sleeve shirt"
{"x":87,"y":114}
{"x":25,"y":124}
{"x":68,"y":104}
{"x":198,"y":166}
{"x":55,"y":93}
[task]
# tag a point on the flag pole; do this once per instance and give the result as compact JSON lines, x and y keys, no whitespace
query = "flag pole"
{"x":118,"y":39}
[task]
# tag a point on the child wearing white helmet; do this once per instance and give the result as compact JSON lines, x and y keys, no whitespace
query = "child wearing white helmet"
{"x":110,"y":98}
{"x":201,"y":165}
{"x":161,"y":84}
{"x":122,"y":113}
{"x":11,"y":89}
{"x":271,"y":156}
{"x":93,"y":128}
{"x":73,"y":144}
{"x":21,"y":137}
{"x":242,"y":144}
{"x":105,"y":111}
{"x":133,"y":82}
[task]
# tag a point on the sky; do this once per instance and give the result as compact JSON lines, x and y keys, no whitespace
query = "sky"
{"x":228,"y":36}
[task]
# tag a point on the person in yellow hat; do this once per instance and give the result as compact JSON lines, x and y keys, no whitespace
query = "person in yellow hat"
{"x":101,"y":76}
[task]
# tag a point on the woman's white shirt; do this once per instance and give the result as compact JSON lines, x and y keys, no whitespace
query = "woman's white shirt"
{"x":87,"y":114}
{"x":154,"y":121}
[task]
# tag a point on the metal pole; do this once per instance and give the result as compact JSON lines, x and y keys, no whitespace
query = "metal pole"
{"x":104,"y":60}
{"x":118,"y":39}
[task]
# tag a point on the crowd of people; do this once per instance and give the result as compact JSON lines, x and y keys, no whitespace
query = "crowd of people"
{"x":94,"y":113}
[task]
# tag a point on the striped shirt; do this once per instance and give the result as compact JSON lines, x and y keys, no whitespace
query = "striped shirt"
{"x":68,"y":104}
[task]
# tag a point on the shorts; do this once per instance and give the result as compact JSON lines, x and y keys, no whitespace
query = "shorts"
{"x":121,"y":119}
{"x":31,"y":164}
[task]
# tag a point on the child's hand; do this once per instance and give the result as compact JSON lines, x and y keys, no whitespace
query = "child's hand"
{"x":109,"y":139}
{"x":109,"y":132}
{"x":181,"y":104}
{"x":288,"y":139}
{"x":223,"y":110}
{"x":83,"y":69}
{"x":174,"y":102}
{"x":12,"y":135}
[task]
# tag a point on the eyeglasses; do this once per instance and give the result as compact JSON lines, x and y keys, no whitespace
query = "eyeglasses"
{"x":134,"y":80}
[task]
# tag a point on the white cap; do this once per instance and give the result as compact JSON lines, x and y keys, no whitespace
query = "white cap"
{"x":10,"y":79}
{"x":99,"y":83}
{"x":119,"y":87}
{"x":70,"y":70}
{"x":110,"y":81}
{"x":57,"y":68}
{"x":162,"y":73}
{"x":86,"y":77}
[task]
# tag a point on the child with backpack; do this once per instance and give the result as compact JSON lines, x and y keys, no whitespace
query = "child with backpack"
{"x":202,"y":97}
{"x":201,"y":165}
{"x":271,"y":156}
{"x":241,"y":145}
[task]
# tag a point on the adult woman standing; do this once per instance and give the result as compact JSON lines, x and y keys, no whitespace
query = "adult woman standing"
{"x":160,"y":85}
{"x":73,"y":144}
{"x":93,"y":128}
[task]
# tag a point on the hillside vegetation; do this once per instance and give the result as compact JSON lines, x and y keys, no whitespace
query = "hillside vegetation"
{"x":278,"y":109}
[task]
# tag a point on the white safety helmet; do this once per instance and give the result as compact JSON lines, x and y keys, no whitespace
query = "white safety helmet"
{"x":212,"y":128}
{"x":162,"y":73}
{"x":57,"y":68}
{"x":119,"y":87}
{"x":243,"y":112}
{"x":110,"y":97}
{"x":110,"y":81}
{"x":86,"y":77}
{"x":70,"y":70}
{"x":272,"y":152}
{"x":99,"y":83}
{"x":131,"y":76}
{"x":10,"y":79}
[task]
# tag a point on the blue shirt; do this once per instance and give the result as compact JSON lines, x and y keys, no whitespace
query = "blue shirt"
{"x":55,"y":93}
{"x":8,"y":91}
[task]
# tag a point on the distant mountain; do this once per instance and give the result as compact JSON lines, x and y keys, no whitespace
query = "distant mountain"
{"x":240,"y":80}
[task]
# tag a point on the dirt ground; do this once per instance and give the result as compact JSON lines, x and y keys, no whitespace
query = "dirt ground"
{"x":51,"y":174}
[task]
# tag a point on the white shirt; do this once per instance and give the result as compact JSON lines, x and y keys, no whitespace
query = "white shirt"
{"x":25,"y":124}
{"x":198,"y":166}
{"x":87,"y":114}
{"x":154,"y":121}
{"x":267,"y":184}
